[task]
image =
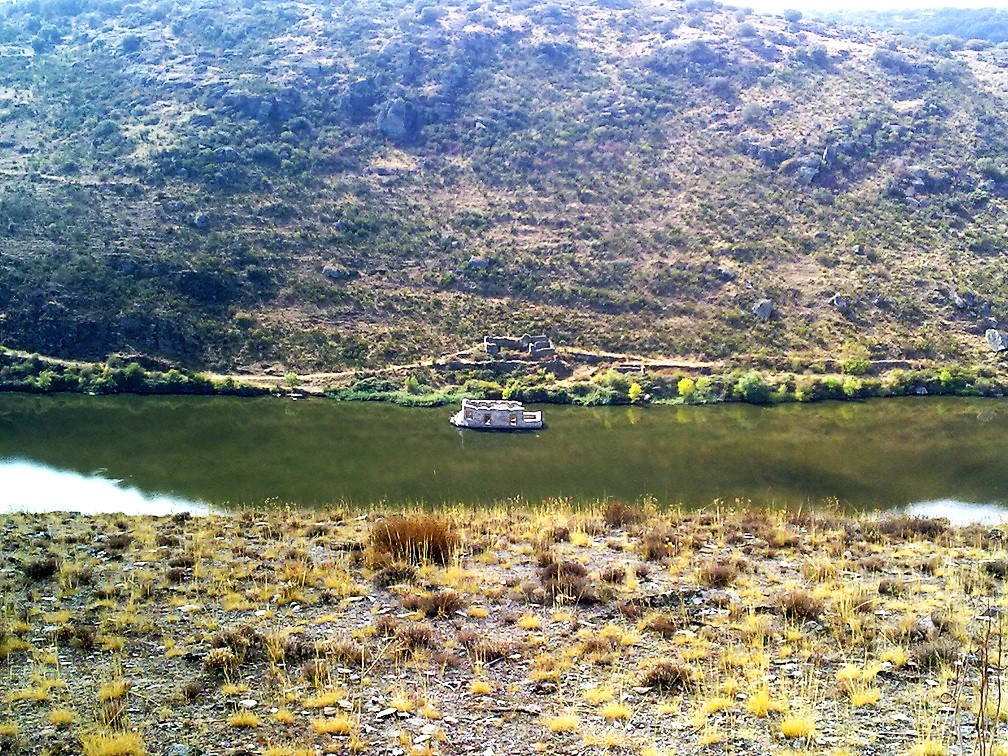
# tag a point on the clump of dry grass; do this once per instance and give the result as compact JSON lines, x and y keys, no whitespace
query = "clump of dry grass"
{"x":112,"y":744}
{"x":619,"y":514}
{"x":567,"y":579}
{"x":799,"y":604}
{"x":415,"y":635}
{"x":718,"y":573}
{"x":907,"y":528}
{"x":613,"y":573}
{"x":668,"y":676}
{"x":440,"y":604}
{"x":658,"y":543}
{"x":416,"y":538}
{"x":40,"y":569}
{"x":665,"y":624}
{"x":221,"y":660}
{"x":934,"y":654}
{"x":395,"y":573}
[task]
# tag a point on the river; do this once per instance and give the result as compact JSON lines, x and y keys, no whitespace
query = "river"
{"x":134,"y":453}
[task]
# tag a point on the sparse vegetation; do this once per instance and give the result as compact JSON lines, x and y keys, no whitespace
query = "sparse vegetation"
{"x":269,"y":210}
{"x":686,"y":647}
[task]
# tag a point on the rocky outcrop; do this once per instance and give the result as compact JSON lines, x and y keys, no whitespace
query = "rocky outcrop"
{"x":399,"y":120}
{"x":996,"y":340}
{"x":359,"y":100}
{"x":337,"y":273}
{"x":763,"y":309}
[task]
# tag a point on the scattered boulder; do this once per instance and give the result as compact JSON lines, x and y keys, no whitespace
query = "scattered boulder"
{"x":806,"y":174}
{"x":201,"y":221}
{"x":359,"y":99}
{"x":924,"y":629}
{"x":399,"y":120}
{"x":840,"y":302}
{"x":763,"y":309}
{"x":337,"y":272}
{"x":202,"y":120}
{"x":477,"y":263}
{"x":996,"y":340}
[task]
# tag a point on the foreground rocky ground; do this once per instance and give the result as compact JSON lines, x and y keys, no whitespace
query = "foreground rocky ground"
{"x":500,"y":631}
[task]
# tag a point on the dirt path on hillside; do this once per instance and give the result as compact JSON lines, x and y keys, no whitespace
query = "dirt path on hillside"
{"x":316,"y":383}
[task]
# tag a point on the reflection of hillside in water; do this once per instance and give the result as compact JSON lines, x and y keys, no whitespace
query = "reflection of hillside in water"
{"x":30,"y":487}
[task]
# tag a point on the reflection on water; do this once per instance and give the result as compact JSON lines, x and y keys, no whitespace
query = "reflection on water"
{"x":247,"y":452}
{"x":960,"y":512}
{"x":30,"y":487}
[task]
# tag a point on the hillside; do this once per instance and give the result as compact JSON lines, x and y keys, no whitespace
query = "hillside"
{"x":950,"y":27}
{"x":322,"y":186}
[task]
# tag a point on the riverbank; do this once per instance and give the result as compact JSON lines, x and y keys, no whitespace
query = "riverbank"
{"x":434,"y":383}
{"x":504,"y":630}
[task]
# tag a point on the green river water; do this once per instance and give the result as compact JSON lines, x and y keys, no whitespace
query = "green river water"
{"x":125,"y":452}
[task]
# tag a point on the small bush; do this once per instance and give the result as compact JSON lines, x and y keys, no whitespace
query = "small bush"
{"x":568,"y":579}
{"x":441,"y":604}
{"x":415,"y":635}
{"x":614,"y":573}
{"x":799,"y":604}
{"x":658,"y":543}
{"x":416,"y":538}
{"x":40,"y":569}
{"x":668,"y":676}
{"x":934,"y":654}
{"x":718,"y":573}
{"x":619,"y":514}
{"x":394,"y":574}
{"x":665,"y":624}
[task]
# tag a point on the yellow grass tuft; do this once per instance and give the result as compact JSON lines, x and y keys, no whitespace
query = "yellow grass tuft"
{"x":480,"y":687}
{"x":60,"y":717}
{"x":529,"y":622}
{"x":928,"y":747}
{"x":598,"y":695}
{"x":284,"y":716}
{"x":716,"y":704}
{"x":338,"y":725}
{"x":326,"y":698}
{"x":562,"y":723}
{"x":797,"y":725}
{"x":244,"y":718}
{"x":118,"y":744}
{"x":615,"y":710}
{"x":761,"y":702}
{"x":896,"y":656}
{"x":113,"y":690}
{"x":864,"y":695}
{"x":401,"y":701}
